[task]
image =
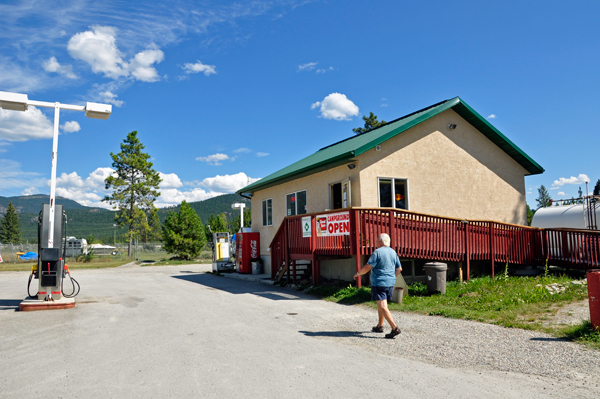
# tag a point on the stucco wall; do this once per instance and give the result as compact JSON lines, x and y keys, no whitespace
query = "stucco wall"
{"x":457,"y":173}
{"x":317,"y":200}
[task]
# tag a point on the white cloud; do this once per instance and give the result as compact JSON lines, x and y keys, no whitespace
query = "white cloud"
{"x":336,"y":106}
{"x":227,"y":183}
{"x":561,"y":193}
{"x":22,"y":126}
{"x":492,"y":116}
{"x":30,"y":191}
{"x":309,"y":66}
{"x":581,"y":179}
{"x":215,"y":159}
{"x":141,"y":65}
{"x":207,"y":188}
{"x":169,"y":180}
{"x":70,"y":127}
{"x":199,"y":67}
{"x":98,"y":48}
{"x":52,"y":65}
{"x":323,"y":70}
{"x":242,"y":150}
{"x":88,"y":192}
{"x":110,"y":98}
{"x":262,"y":154}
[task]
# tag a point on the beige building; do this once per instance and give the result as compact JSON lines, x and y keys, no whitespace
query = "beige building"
{"x":444,"y":160}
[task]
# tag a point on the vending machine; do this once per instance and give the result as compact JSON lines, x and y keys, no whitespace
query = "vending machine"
{"x":248,"y":249}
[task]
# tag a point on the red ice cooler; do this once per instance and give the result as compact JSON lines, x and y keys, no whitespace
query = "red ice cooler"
{"x":248,"y":248}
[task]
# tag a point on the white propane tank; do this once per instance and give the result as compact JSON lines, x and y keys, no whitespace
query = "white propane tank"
{"x":565,"y":216}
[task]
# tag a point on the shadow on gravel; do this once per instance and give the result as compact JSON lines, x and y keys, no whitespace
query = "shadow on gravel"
{"x":237,"y":287}
{"x":548,"y":339}
{"x":336,"y":334}
{"x":10,"y":304}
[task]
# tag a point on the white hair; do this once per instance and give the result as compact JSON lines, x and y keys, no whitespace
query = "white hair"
{"x":385,"y":239}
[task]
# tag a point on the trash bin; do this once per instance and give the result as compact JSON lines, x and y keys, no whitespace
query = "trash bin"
{"x":593,"y":283}
{"x":436,"y":276}
{"x":397,"y":294}
{"x":256,"y":267}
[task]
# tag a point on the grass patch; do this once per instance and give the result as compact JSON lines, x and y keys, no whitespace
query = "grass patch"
{"x":516,"y":302}
{"x":583,"y":334}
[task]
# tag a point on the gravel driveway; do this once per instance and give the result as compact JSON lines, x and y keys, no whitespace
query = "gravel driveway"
{"x":179,"y":332}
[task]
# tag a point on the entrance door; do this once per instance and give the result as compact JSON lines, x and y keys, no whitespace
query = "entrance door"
{"x":339,"y":194}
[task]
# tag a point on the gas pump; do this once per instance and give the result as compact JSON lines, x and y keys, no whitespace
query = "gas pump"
{"x":51,"y":269}
{"x":221,"y":253}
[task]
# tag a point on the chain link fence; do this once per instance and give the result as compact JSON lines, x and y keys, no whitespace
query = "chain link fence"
{"x":10,"y":253}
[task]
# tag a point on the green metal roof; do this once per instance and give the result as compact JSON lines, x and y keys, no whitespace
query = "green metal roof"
{"x":344,"y":151}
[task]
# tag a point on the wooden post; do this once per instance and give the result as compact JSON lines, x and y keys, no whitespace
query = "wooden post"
{"x":392,"y":225}
{"x":313,"y":248}
{"x":492,"y":247}
{"x":460,"y":271}
{"x":467,"y":250}
{"x":357,"y":243}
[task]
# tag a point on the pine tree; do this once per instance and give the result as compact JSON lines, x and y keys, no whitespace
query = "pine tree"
{"x":543,"y":200}
{"x":597,"y":188}
{"x":135,"y":186}
{"x":10,"y":228}
{"x":371,"y":123}
{"x":183,"y":233}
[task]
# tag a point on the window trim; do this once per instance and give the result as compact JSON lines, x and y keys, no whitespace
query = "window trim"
{"x":296,"y":203}
{"x":393,"y":179}
{"x":266,"y":217}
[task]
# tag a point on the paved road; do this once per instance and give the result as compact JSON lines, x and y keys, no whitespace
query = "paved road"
{"x":161,"y":332}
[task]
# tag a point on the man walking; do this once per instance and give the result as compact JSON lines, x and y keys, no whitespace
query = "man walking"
{"x":385,"y":267}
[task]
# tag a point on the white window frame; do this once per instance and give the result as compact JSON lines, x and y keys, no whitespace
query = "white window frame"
{"x":296,"y":203}
{"x":393,"y":179}
{"x":266,"y":217}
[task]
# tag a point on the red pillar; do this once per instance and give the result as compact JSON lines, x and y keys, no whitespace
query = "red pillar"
{"x":593,"y":280}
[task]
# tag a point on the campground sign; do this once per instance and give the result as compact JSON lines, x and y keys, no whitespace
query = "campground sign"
{"x":333,"y":224}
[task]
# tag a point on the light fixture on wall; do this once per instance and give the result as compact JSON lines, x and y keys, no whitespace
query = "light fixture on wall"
{"x":377,"y":148}
{"x":452,"y":126}
{"x":351,"y":166}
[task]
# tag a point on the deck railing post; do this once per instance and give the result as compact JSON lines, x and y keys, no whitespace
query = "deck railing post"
{"x":357,"y":242}
{"x":467,"y":249}
{"x":313,"y":249}
{"x":492,"y":247}
{"x":392,"y":225}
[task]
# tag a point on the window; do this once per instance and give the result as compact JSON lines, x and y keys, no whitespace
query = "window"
{"x":267,"y":212}
{"x":296,"y":203}
{"x":393,"y":193}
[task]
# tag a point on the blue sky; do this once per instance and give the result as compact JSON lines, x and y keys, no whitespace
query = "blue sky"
{"x":223,"y":93}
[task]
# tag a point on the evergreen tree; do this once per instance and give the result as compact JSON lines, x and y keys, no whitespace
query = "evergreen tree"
{"x":10,"y":228}
{"x":597,"y":188}
{"x":371,"y":122}
{"x":530,"y":213}
{"x":135,"y":186}
{"x":183,"y":233}
{"x":543,"y":200}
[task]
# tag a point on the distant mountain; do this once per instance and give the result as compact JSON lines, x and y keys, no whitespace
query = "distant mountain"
{"x":215,"y":205}
{"x":83,"y":221}
{"x":33,"y":203}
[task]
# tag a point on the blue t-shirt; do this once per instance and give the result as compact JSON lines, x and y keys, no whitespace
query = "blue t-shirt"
{"x":385,"y":262}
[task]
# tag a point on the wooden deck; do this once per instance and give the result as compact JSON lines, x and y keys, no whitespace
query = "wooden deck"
{"x":422,"y":236}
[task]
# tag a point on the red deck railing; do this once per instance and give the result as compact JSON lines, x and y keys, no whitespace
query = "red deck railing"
{"x":421,"y":236}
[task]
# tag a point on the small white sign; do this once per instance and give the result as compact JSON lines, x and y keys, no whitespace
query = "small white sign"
{"x":306,"y":227}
